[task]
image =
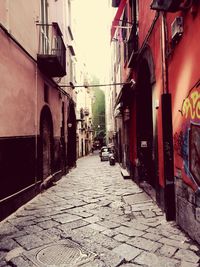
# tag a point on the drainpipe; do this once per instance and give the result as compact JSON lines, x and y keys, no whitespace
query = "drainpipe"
{"x":164,"y":43}
{"x":36,"y":123}
{"x":169,"y":187}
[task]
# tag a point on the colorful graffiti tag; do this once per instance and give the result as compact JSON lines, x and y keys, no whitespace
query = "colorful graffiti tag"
{"x":191,"y":106}
{"x":194,"y":157}
{"x":187,"y":140}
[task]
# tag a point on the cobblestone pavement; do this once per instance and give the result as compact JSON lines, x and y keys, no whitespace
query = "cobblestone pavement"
{"x":93,"y":217}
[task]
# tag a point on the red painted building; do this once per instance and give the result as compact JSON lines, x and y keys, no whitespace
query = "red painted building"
{"x":158,"y":46}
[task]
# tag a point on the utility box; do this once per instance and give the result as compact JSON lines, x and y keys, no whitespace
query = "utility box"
{"x":115,"y":3}
{"x":166,"y":5}
{"x":177,"y":30}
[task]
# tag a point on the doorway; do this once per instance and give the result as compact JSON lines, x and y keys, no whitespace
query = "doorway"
{"x":46,"y":134}
{"x":144,"y":122}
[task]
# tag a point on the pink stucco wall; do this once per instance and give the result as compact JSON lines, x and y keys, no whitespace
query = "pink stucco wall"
{"x":17,"y":94}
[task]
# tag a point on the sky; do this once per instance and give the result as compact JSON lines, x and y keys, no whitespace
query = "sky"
{"x":92,"y":35}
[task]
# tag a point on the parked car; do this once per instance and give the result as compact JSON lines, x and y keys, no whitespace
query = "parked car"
{"x":104,"y":153}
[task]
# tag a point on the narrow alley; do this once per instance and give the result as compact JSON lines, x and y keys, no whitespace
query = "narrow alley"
{"x":93,"y":217}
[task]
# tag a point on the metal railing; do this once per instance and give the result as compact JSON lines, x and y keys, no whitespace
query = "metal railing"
{"x":51,"y":42}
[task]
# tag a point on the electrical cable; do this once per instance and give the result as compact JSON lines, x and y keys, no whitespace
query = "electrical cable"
{"x":132,"y":82}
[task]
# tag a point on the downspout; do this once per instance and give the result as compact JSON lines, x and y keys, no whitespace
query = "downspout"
{"x":164,"y":44}
{"x":36,"y":123}
{"x":167,"y":132}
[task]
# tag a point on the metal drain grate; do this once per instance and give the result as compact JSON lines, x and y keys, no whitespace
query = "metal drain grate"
{"x":69,"y":255}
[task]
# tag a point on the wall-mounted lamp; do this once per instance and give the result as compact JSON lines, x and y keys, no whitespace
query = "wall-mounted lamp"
{"x":69,"y":125}
{"x":71,"y":85}
{"x":156,"y":103}
{"x":132,"y":82}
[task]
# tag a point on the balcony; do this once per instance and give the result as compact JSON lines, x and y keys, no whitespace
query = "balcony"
{"x":86,"y":111}
{"x":132,"y":46}
{"x":51,"y":55}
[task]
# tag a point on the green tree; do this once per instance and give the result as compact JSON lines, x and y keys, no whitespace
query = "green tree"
{"x":98,"y":111}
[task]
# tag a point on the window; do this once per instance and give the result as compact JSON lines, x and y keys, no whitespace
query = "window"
{"x":44,"y":28}
{"x":46,"y":93}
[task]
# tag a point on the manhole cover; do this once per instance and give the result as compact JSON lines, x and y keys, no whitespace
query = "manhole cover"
{"x":63,"y":255}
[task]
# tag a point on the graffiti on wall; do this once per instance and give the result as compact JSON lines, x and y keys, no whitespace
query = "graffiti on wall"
{"x":180,"y":144}
{"x":187,"y":140}
{"x":191,"y":106}
{"x":194,"y":152}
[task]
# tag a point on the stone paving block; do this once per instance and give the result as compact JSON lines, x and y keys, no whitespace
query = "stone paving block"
{"x":97,"y":227}
{"x":7,"y":229}
{"x":95,"y":263}
{"x":48,"y":224}
{"x":4,"y":264}
{"x":174,"y":243}
{"x":121,"y":238}
{"x":32,"y":241}
{"x":154,"y":231}
{"x":189,"y":264}
{"x":180,"y":237}
{"x":109,"y":232}
{"x":167,"y":251}
{"x":8,"y":244}
{"x":144,"y":244}
{"x":85,"y":231}
{"x":153,"y":223}
{"x":76,"y":202}
{"x":130,"y":265}
{"x":126,"y":251}
{"x":170,"y":228}
{"x":91,"y":207}
{"x":187,"y":255}
{"x":42,"y":219}
{"x":31,"y":229}
{"x":136,"y":224}
{"x":73,"y":225}
{"x":131,"y":232}
{"x":90,"y":200}
{"x":65,"y":218}
{"x":148,"y":213}
{"x":93,"y":219}
{"x":151,"y":236}
{"x":51,"y":233}
{"x":22,"y":221}
{"x":142,"y":206}
{"x":137,"y":214}
{"x":82,"y":214}
{"x":152,"y":260}
{"x":111,"y":259}
{"x":14,"y":253}
{"x":194,"y":248}
{"x":104,"y":203}
{"x":2,"y":255}
{"x":108,"y":224}
{"x":105,"y":241}
{"x":20,"y":261}
{"x":137,"y":198}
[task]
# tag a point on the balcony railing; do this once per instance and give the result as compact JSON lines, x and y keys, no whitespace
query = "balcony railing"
{"x":86,"y":111}
{"x":51,"y":55}
{"x":132,"y":45}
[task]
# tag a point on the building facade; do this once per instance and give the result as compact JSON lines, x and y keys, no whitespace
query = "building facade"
{"x":84,"y":113}
{"x":155,"y":48}
{"x":36,"y":144}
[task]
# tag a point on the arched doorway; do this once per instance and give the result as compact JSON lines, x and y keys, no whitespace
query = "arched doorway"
{"x":71,"y":140}
{"x":144,"y":123}
{"x":46,"y":137}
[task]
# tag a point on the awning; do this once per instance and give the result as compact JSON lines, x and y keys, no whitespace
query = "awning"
{"x":117,"y":17}
{"x":125,"y":94}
